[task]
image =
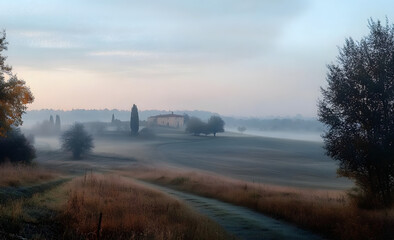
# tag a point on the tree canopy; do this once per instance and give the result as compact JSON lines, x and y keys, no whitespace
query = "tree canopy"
{"x":196,"y":126}
{"x":358,"y":108}
{"x":14,"y":94}
{"x":215,"y":125}
{"x":77,"y":140}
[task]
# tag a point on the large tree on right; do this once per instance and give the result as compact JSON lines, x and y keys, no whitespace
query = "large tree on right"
{"x":357,"y":107}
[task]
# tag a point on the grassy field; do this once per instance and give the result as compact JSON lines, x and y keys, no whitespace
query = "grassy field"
{"x":259,"y":159}
{"x":71,"y":209}
{"x":286,"y":179}
{"x":328,"y":212}
{"x":130,"y":211}
{"x":17,"y":175}
{"x":31,"y":212}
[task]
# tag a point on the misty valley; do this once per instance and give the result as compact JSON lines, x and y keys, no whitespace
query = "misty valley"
{"x":233,"y":175}
{"x":196,"y":120}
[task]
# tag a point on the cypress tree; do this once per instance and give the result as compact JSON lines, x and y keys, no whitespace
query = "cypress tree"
{"x":57,"y":124}
{"x":51,"y":127}
{"x":51,"y":122}
{"x":134,"y":121}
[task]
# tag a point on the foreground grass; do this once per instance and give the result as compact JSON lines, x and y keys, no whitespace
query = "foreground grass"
{"x":34,"y":217}
{"x":129,"y":211}
{"x":64,"y":209}
{"x":330,"y":213}
{"x":17,"y":175}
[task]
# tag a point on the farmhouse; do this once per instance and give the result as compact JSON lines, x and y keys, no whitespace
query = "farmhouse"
{"x":167,"y":120}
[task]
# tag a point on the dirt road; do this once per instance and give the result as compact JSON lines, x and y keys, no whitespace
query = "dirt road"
{"x":239,"y":221}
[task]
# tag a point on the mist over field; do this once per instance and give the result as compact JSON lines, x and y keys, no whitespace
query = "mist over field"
{"x":297,"y":127}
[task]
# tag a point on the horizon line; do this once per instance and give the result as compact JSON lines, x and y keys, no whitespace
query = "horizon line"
{"x":184,"y":110}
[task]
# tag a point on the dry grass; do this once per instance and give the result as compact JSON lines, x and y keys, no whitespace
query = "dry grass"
{"x":34,"y":217}
{"x":330,"y":213}
{"x":130,"y":211}
{"x":17,"y":175}
{"x":11,"y":216}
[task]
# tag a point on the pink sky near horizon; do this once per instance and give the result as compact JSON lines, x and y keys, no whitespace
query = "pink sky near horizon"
{"x":236,"y":58}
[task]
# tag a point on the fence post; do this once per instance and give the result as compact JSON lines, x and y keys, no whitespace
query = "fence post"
{"x":99,"y":226}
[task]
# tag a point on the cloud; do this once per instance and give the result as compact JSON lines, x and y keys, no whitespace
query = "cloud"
{"x":170,"y":49}
{"x":124,"y":53}
{"x":44,"y":39}
{"x":215,"y":29}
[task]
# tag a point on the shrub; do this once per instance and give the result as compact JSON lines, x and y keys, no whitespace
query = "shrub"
{"x":147,"y":133}
{"x":77,"y":141}
{"x":16,"y":148}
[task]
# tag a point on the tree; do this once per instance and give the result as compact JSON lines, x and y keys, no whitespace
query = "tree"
{"x":358,"y":108}
{"x":196,"y":126}
{"x":51,"y":125}
{"x":215,"y":125}
{"x":57,"y":124}
{"x":241,"y":129}
{"x":77,"y":141}
{"x":51,"y":121}
{"x":14,"y":94}
{"x":134,"y":121}
{"x":16,"y":148}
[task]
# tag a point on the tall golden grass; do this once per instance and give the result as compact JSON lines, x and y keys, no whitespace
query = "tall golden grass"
{"x":17,"y":175}
{"x":130,"y":211}
{"x":330,"y":213}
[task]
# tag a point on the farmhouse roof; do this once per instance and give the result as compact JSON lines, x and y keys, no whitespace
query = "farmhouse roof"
{"x":167,"y":115}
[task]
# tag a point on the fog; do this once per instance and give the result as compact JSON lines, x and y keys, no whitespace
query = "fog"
{"x":314,"y":136}
{"x":296,"y":127}
{"x":253,"y":158}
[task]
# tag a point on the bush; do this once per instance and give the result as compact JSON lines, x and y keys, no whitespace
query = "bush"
{"x":77,"y":141}
{"x":16,"y":148}
{"x":146,"y":133}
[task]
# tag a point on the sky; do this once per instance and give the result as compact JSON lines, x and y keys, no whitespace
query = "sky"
{"x":250,"y":58}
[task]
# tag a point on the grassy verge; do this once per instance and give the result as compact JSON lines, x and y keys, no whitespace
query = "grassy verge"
{"x":33,"y":217}
{"x":330,"y":213}
{"x":129,"y":211}
{"x":18,"y":175}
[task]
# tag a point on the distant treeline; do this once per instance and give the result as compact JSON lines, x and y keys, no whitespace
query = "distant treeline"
{"x":276,"y":124}
{"x":264,"y":124}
